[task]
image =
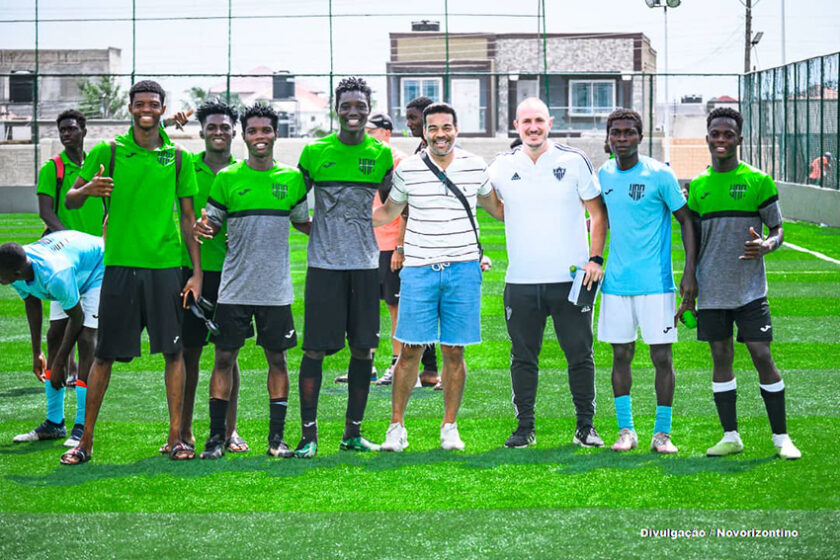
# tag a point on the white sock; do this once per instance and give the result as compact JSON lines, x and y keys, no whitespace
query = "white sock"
{"x":779,"y":439}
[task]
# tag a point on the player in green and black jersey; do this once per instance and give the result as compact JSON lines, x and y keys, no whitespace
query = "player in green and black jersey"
{"x":142,"y":286}
{"x":732,"y":202}
{"x":218,"y":128}
{"x":345,"y":169}
{"x":258,"y":199}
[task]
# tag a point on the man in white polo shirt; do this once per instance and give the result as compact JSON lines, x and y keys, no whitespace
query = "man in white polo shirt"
{"x":545,"y":188}
{"x":440,"y":297}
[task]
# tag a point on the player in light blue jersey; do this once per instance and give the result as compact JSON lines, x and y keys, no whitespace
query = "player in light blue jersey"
{"x":65,"y":267}
{"x":638,"y":290}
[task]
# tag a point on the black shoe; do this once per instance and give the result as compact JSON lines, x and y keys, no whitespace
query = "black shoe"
{"x":279,"y":448}
{"x":522,"y":437}
{"x":586,"y":436}
{"x":214,"y":447}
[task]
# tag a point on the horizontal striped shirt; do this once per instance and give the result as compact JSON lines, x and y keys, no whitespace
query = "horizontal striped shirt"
{"x":438,"y":228}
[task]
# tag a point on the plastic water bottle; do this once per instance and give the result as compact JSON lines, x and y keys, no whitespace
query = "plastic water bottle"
{"x":689,"y":319}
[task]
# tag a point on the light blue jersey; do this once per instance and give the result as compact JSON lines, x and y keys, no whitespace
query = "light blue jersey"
{"x":66,"y":265}
{"x":639,"y":204}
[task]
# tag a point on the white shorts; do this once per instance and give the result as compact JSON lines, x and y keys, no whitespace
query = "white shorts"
{"x":90,"y":307}
{"x":621,"y":316}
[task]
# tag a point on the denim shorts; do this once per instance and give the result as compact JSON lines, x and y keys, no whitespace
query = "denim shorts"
{"x":440,"y":303}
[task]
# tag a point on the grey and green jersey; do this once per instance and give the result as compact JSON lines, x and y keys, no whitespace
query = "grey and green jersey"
{"x":727,"y":205}
{"x":258,"y":207}
{"x":345,"y":178}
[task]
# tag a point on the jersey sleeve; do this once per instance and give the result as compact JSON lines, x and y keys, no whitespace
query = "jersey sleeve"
{"x":187,"y":184}
{"x":398,"y":191}
{"x":63,"y":288}
{"x":692,"y":199}
{"x":217,"y":203}
{"x":588,"y":184}
{"x":768,"y":203}
{"x":300,"y":210}
{"x":494,"y":174}
{"x":304,"y":164}
{"x":47,"y":183}
{"x":485,"y":188}
{"x":99,"y":155}
{"x":670,"y":189}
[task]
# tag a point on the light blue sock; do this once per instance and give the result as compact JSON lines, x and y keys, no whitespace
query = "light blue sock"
{"x":81,"y":395}
{"x":55,"y":403}
{"x":663,"y":420}
{"x":624,"y":412}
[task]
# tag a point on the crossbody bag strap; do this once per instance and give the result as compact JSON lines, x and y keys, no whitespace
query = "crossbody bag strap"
{"x":458,"y":194}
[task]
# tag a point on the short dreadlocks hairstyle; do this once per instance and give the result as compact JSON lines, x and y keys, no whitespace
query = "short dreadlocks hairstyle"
{"x":725,"y":113}
{"x":146,"y":86}
{"x":352,"y":84}
{"x":625,"y":114}
{"x":259,"y":110}
{"x":215,"y":107}
{"x":12,"y":257}
{"x":419,"y":103}
{"x":72,"y":114}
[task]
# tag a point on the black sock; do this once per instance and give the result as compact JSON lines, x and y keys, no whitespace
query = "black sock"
{"x":218,"y":414}
{"x":358,"y":387}
{"x":774,"y":402}
{"x":429,"y":359}
{"x":394,"y":360}
{"x":277,"y":417}
{"x":725,"y":403}
{"x":309,"y":386}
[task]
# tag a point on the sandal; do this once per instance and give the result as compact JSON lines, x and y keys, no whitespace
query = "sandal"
{"x":164,"y":449}
{"x":75,"y":456}
{"x":181,"y":452}
{"x":235,"y":444}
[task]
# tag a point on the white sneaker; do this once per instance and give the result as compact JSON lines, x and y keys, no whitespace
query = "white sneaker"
{"x":627,"y":440}
{"x":387,"y":378}
{"x":449,"y":438}
{"x":396,"y":439}
{"x":785,"y":448}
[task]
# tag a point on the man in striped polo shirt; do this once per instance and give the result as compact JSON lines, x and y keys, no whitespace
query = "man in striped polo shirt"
{"x":440,"y":298}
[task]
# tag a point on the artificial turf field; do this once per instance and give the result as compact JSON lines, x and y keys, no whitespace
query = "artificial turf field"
{"x":553,"y":500}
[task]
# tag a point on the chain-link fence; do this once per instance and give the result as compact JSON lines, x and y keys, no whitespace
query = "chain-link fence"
{"x":792,"y":122}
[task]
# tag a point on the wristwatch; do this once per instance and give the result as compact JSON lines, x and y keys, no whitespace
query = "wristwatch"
{"x":399,"y":249}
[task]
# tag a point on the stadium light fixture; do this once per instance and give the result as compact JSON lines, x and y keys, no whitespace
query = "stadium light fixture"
{"x":667,"y":128}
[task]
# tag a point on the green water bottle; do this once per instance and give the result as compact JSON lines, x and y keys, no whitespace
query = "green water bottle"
{"x":689,"y":319}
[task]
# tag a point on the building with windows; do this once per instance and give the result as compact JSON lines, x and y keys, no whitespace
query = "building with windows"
{"x":581,"y":76}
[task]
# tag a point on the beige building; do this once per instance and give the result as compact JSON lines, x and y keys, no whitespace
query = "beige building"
{"x":588,"y":75}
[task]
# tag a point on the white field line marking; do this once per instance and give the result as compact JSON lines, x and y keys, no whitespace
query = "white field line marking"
{"x":810,"y":252}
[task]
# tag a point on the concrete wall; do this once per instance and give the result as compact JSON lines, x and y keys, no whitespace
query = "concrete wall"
{"x":810,"y":204}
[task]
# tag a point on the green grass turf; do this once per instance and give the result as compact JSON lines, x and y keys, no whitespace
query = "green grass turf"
{"x":553,"y":500}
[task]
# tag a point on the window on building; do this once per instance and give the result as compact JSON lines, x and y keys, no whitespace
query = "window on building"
{"x":591,"y":97}
{"x":21,"y":87}
{"x":415,"y":87}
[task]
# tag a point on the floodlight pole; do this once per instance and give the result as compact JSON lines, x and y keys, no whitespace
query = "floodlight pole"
{"x":667,"y":146}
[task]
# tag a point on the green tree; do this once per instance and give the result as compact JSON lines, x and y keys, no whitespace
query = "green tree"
{"x":196,"y":96}
{"x":103,"y":98}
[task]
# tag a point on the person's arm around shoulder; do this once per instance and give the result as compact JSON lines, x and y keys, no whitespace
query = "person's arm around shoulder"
{"x":394,"y":204}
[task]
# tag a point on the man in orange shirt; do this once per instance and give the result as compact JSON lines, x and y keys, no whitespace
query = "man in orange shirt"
{"x":820,"y":167}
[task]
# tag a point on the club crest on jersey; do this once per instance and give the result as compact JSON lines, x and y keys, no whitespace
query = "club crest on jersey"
{"x":366,"y":165}
{"x":737,"y":191}
{"x":559,"y":173}
{"x":165,"y":157}
{"x":636,"y":191}
{"x":279,"y":190}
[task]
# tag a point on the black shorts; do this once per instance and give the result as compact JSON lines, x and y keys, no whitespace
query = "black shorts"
{"x":133,"y":299}
{"x":194,"y":331}
{"x":753,"y":320}
{"x":275,"y":326}
{"x":341,"y":303}
{"x":389,"y":281}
